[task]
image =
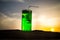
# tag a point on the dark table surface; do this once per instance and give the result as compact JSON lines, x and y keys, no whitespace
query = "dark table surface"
{"x":28,"y":35}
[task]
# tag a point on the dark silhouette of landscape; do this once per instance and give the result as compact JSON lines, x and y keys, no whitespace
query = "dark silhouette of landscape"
{"x":28,"y":35}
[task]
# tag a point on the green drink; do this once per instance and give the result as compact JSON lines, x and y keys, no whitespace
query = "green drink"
{"x":26,"y":20}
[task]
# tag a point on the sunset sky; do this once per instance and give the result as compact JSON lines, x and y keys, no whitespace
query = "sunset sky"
{"x":46,"y":17}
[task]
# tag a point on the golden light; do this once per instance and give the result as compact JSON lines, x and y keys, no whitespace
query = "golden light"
{"x":52,"y":29}
{"x":47,"y":23}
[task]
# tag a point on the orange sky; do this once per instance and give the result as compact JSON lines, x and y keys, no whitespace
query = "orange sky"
{"x":46,"y":17}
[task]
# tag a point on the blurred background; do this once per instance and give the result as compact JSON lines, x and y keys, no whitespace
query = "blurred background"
{"x":46,"y":17}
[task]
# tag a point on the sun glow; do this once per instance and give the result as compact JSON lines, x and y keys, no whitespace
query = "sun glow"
{"x":52,"y":29}
{"x":48,"y":22}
